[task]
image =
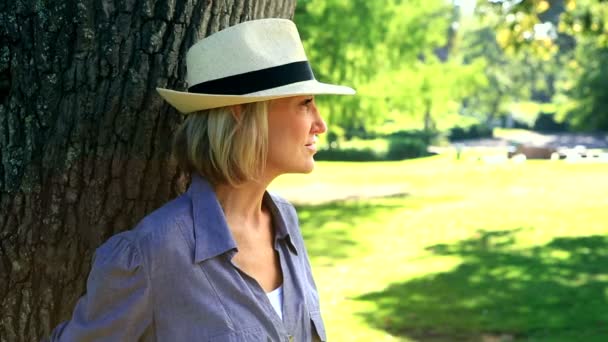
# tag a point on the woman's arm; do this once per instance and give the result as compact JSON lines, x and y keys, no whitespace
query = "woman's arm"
{"x":117,"y":305}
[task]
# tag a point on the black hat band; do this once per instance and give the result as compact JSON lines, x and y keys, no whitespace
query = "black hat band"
{"x":258,"y":80}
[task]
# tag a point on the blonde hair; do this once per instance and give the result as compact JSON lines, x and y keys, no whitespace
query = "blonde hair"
{"x":224,"y":147}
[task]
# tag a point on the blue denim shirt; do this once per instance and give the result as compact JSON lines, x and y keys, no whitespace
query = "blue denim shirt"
{"x":171,"y":278}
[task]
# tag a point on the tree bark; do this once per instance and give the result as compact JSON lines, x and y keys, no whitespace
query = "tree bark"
{"x":84,"y":137}
{"x":429,"y":123}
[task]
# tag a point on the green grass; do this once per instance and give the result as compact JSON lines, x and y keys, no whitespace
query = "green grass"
{"x":442,"y":250}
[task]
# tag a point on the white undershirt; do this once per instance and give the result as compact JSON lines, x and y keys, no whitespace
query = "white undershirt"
{"x":276,"y":299}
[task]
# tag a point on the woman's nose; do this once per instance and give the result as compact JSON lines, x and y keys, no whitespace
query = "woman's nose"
{"x":319,"y":125}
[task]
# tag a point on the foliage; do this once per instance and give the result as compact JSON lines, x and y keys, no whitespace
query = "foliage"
{"x":387,"y":50}
{"x":525,"y":24}
{"x":421,"y":64}
{"x":348,"y":154}
{"x":582,"y":98}
{"x":404,"y":148}
{"x":573,"y":34}
{"x":424,"y":136}
{"x":396,"y":146}
{"x":511,"y":77}
{"x":429,"y":89}
{"x":545,"y":122}
{"x":471,"y":132}
{"x":586,"y":19}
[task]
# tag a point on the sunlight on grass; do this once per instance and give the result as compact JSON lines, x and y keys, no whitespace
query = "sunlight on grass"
{"x":436,"y":249}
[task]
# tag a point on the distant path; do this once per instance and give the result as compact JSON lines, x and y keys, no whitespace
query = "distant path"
{"x":558,"y":140}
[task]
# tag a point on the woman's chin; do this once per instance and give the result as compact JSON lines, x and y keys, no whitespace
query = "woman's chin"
{"x":306,"y":168}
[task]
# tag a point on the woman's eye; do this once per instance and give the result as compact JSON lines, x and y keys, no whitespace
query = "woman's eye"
{"x":307,"y":102}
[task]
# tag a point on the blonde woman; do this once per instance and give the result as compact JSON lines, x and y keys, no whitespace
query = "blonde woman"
{"x":225,"y":261}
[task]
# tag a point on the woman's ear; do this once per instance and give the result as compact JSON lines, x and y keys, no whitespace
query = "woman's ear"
{"x":236,"y":111}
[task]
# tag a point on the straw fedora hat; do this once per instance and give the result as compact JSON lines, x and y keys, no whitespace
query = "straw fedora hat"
{"x":252,"y":61}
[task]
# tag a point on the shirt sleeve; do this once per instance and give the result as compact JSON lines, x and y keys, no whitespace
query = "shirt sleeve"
{"x":117,"y":305}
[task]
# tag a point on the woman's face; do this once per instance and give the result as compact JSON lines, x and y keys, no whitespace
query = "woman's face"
{"x":293,"y":123}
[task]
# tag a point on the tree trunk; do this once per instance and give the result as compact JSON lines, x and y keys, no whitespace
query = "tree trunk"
{"x":494,"y":109}
{"x":84,"y":137}
{"x":429,"y":122}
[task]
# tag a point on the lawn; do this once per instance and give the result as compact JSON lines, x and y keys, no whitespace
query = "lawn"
{"x":437,"y":249}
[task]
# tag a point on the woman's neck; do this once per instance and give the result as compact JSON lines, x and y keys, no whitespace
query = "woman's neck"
{"x":242,"y":205}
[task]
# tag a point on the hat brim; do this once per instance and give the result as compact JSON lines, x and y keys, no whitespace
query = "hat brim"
{"x":191,"y":102}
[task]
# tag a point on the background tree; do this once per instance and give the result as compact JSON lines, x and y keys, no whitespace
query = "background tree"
{"x":429,"y":91}
{"x":513,"y":76}
{"x":367,"y":44}
{"x":573,"y":35}
{"x":582,"y":87}
{"x":84,"y":137}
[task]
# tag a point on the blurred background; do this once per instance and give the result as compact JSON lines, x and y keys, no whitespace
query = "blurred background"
{"x":460,"y":196}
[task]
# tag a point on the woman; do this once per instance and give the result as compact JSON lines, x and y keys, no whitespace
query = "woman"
{"x":225,"y":261}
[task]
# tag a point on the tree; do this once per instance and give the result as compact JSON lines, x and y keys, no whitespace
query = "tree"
{"x":511,"y":76}
{"x":582,"y":98}
{"x":362,"y":43}
{"x":574,"y":33}
{"x":84,"y":137}
{"x":582,"y":95}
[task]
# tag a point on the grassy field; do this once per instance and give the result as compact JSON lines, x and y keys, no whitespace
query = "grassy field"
{"x":442,"y":250}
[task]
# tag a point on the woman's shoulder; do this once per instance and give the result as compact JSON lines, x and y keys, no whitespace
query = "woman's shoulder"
{"x":167,"y":218}
{"x":159,"y":232}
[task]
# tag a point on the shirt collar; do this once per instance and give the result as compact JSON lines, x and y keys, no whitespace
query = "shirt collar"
{"x":212,"y":236}
{"x":280,"y":224}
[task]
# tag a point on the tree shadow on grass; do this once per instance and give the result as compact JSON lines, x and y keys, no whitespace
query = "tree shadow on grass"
{"x":554,"y":292}
{"x":330,"y":229}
